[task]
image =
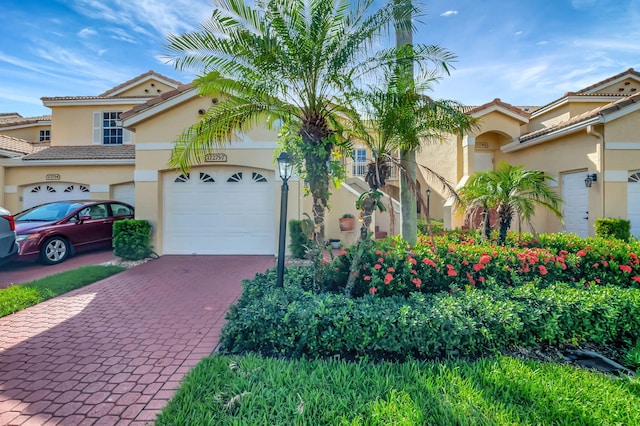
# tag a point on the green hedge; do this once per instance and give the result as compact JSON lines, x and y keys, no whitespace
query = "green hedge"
{"x":295,"y":322}
{"x":131,"y":239}
{"x":613,"y":228}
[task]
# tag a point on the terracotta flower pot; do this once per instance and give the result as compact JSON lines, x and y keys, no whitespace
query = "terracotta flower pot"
{"x":347,"y":223}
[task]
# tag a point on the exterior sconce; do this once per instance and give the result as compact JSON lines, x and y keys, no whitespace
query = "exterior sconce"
{"x":591,"y":177}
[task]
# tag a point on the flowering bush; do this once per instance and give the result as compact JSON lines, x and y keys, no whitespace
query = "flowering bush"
{"x":459,"y":260}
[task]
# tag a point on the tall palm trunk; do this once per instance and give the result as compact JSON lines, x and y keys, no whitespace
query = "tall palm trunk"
{"x":408,"y":201}
{"x":505,"y":214}
{"x":317,"y":152}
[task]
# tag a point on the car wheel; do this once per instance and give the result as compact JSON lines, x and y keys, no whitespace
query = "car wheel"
{"x":54,"y":250}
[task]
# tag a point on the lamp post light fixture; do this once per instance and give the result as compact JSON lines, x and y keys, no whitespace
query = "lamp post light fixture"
{"x":591,"y":177}
{"x":285,"y":168}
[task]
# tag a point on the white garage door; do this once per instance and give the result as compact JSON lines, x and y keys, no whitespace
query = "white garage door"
{"x":219,"y":210}
{"x":633,"y":203}
{"x":33,"y":195}
{"x":575,"y":204}
{"x":125,"y":192}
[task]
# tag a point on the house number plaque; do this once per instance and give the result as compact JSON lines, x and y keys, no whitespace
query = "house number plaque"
{"x":215,"y":158}
{"x":52,"y":176}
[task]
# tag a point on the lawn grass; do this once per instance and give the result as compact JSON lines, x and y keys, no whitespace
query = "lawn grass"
{"x":18,"y":297}
{"x":250,"y":390}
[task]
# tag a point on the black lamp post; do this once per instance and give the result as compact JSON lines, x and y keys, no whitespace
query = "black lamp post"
{"x":285,"y":168}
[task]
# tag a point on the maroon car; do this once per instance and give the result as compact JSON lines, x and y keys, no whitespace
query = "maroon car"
{"x":54,"y":231}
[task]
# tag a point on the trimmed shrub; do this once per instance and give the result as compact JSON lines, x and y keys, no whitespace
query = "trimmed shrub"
{"x":294,"y":322}
{"x":613,"y":228}
{"x":131,"y":239}
{"x":299,"y":241}
{"x":437,"y":226}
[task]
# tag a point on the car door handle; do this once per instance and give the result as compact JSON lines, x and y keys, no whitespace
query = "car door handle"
{"x":586,"y":218}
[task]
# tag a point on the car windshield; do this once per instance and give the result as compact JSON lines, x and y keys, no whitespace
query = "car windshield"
{"x":47,"y":212}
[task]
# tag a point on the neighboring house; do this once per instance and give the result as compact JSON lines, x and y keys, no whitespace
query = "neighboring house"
{"x":117,"y":145}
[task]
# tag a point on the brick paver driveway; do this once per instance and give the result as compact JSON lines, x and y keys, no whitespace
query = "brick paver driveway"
{"x":115,"y":351}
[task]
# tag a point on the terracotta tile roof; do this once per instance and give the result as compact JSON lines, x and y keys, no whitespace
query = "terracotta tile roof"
{"x":600,"y":111}
{"x":156,"y":100}
{"x":19,"y":146}
{"x":498,"y":102}
{"x":9,"y":120}
{"x":630,"y":72}
{"x":85,"y":152}
{"x":149,"y":73}
{"x":89,"y":98}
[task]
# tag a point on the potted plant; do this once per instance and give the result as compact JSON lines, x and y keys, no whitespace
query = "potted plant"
{"x":347,"y":222}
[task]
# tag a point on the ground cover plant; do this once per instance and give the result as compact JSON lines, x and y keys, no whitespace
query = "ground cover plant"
{"x":251,"y":390}
{"x":17,"y":297}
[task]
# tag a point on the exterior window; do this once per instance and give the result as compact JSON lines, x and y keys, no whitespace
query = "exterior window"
{"x":111,"y":128}
{"x":359,"y":161}
{"x":45,"y":135}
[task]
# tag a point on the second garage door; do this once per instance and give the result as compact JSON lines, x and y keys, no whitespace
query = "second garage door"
{"x":222,"y":210}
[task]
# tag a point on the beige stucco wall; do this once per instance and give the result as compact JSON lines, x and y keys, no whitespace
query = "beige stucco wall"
{"x":73,"y":125}
{"x":30,"y":133}
{"x":151,"y":87}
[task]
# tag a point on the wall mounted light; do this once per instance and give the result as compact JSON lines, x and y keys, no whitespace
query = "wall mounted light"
{"x":591,"y":177}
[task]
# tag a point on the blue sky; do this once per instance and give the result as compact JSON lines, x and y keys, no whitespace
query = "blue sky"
{"x":526,"y":52}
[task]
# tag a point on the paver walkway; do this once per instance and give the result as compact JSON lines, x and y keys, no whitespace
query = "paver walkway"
{"x":114,"y":352}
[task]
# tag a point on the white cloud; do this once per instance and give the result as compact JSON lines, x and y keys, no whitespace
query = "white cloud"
{"x":449,"y":13}
{"x":518,"y":33}
{"x":86,"y":32}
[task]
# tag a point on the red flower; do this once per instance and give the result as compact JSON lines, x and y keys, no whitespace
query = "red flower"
{"x":342,"y":253}
{"x":381,"y":260}
{"x":373,"y":290}
{"x":377,"y":266}
{"x":452,"y":272}
{"x":478,"y":266}
{"x":378,"y":252}
{"x":481,"y":279}
{"x":484,"y":259}
{"x":390,"y":269}
{"x":414,"y":272}
{"x":412,"y":260}
{"x":605,"y":263}
{"x":625,"y":268}
{"x":471,"y":280}
{"x":428,"y":262}
{"x":542,"y":269}
{"x":636,"y":278}
{"x":417,"y":281}
{"x":388,"y":278}
{"x":465,"y":262}
{"x":367,"y":278}
{"x":450,"y":266}
{"x":581,"y":253}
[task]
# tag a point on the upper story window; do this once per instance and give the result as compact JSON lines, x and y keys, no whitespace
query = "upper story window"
{"x":359,"y":161}
{"x":111,"y":129}
{"x":45,"y":135}
{"x":107,"y":129}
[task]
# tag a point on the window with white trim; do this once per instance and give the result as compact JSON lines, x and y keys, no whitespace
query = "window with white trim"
{"x":359,"y":161}
{"x":44,"y":136}
{"x":107,"y":129}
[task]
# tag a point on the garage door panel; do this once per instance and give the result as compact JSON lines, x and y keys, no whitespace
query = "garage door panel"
{"x":33,"y":195}
{"x":575,"y":204}
{"x":221,"y":210}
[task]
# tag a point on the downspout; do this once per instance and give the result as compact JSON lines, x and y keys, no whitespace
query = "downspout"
{"x":591,"y":130}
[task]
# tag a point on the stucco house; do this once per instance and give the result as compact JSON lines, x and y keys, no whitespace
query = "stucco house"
{"x":117,"y":145}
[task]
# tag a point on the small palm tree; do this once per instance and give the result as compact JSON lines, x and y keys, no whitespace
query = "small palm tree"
{"x":510,"y":190}
{"x":397,"y":115}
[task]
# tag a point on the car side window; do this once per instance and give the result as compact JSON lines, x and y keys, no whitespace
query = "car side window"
{"x":121,"y":210}
{"x":98,"y":211}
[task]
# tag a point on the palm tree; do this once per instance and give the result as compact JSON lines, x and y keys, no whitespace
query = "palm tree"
{"x":510,"y":190}
{"x":281,"y":59}
{"x":397,"y":116}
